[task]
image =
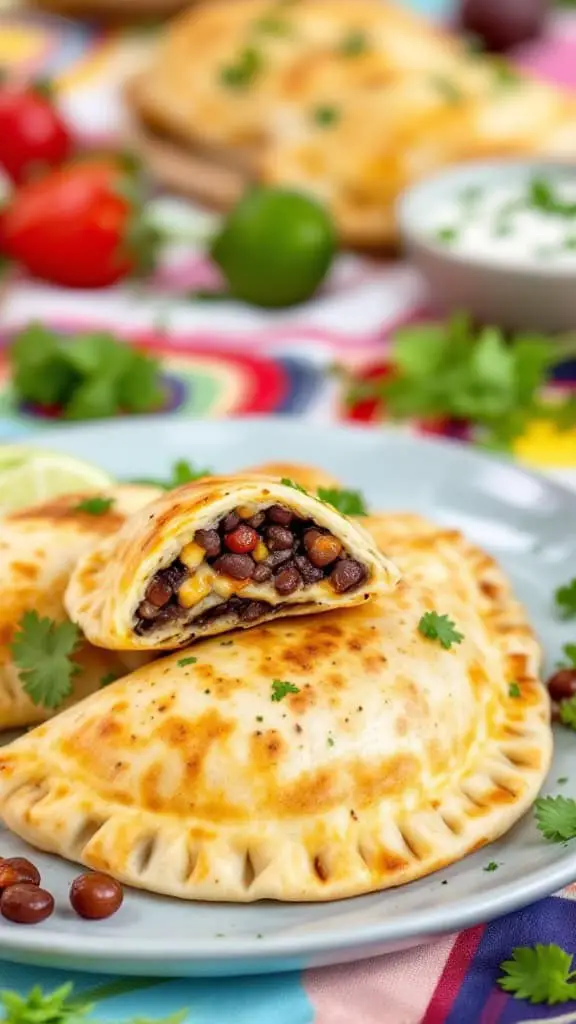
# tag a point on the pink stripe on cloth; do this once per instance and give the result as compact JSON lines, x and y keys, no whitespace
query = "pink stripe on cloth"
{"x":555,"y":61}
{"x":461,"y":956}
{"x":394,"y":989}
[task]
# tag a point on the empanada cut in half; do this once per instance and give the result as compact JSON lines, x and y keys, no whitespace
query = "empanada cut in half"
{"x":219,"y":554}
{"x":39,"y":547}
{"x":308,"y":759}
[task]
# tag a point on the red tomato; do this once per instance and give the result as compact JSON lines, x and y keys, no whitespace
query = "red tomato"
{"x":33,"y":136}
{"x":74,"y":226}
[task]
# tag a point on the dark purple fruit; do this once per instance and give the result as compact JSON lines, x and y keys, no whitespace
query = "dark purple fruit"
{"x":501,"y":24}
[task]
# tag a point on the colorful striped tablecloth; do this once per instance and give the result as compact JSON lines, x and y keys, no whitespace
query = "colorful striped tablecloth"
{"x":223,"y":359}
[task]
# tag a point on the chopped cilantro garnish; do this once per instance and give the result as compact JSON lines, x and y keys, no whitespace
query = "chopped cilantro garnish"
{"x":514,"y":690}
{"x":244,"y":71}
{"x":562,"y":780}
{"x":353,"y":44}
{"x":565,"y":598}
{"x":349,"y":503}
{"x":292,"y":483}
{"x":110,"y":677}
{"x":182,"y":472}
{"x":570,"y":651}
{"x":325,"y":116}
{"x":94,"y":506}
{"x":568,"y":712}
{"x":447,"y":89}
{"x":492,"y":866}
{"x":273,"y":25}
{"x":42,"y":649}
{"x":330,"y":741}
{"x":280,"y":689}
{"x":186,"y":661}
{"x":439,"y":627}
{"x":446,"y":235}
{"x":543,"y":196}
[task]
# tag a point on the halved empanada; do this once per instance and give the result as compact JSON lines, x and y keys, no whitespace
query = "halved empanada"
{"x":218,"y":554}
{"x":39,"y":547}
{"x":303,"y":760}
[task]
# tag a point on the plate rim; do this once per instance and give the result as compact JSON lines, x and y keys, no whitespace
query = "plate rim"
{"x":466,"y":911}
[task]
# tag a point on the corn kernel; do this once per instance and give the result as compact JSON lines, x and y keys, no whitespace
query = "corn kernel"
{"x":225,"y":587}
{"x":192,"y":555}
{"x":260,"y":552}
{"x":246,"y":511}
{"x":195,"y":588}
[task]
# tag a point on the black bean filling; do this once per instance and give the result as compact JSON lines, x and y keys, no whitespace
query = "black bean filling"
{"x":298,"y":554}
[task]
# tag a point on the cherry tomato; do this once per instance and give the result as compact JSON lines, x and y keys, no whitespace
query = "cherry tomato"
{"x":33,"y":136}
{"x":78,"y":226}
{"x":503,"y":23}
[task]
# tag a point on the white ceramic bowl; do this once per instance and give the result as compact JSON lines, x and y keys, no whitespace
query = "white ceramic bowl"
{"x":514,"y":294}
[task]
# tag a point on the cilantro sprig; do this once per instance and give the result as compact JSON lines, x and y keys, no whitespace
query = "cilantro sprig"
{"x":94,"y":506}
{"x":569,"y":651}
{"x":349,"y":503}
{"x":43,"y":650}
{"x":86,"y":376}
{"x":186,"y":661}
{"x":540,"y":974}
{"x":452,"y":370}
{"x":556,"y":818}
{"x":182,"y":472}
{"x":565,"y":598}
{"x":567,"y":711}
{"x":439,"y":627}
{"x":62,"y":1007}
{"x":292,"y":483}
{"x":281,"y":688}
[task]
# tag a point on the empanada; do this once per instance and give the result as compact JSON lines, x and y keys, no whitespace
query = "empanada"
{"x":219,"y":554}
{"x":39,"y":547}
{"x":303,"y":760}
{"x":351,"y":101}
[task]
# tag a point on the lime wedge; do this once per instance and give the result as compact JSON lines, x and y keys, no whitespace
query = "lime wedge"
{"x":32,"y":475}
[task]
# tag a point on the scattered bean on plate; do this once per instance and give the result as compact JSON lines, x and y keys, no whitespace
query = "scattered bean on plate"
{"x":26,"y":903}
{"x":95,"y":895}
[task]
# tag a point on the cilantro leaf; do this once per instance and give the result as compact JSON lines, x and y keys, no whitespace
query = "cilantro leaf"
{"x":514,"y":690}
{"x":59,"y":1007}
{"x":570,"y":651}
{"x":110,"y":677}
{"x":243,"y":72}
{"x":540,"y":974}
{"x":85,"y":376}
{"x":565,"y":598}
{"x":280,"y":689}
{"x":439,"y":627}
{"x":325,"y":115}
{"x":186,"y":661}
{"x":37,"y":1008}
{"x":452,"y":370}
{"x":492,"y":866}
{"x":182,"y":472}
{"x":292,"y":483}
{"x":349,"y":503}
{"x":556,"y":817}
{"x":43,"y":650}
{"x":354,"y":43}
{"x":94,"y":506}
{"x":568,"y":712}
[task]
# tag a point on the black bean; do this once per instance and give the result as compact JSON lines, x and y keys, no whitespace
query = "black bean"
{"x":239,"y":567}
{"x":346,"y":574}
{"x":287,"y":581}
{"x":167,"y":614}
{"x":278,"y":538}
{"x":26,"y":904}
{"x":174,"y":575}
{"x":147,"y":610}
{"x":261,"y":573}
{"x":277,"y":514}
{"x":230,"y":522}
{"x":209,"y":540}
{"x":256,"y":521}
{"x":277,"y":558}
{"x":254,"y":610}
{"x":309,"y":573}
{"x":158,"y":592}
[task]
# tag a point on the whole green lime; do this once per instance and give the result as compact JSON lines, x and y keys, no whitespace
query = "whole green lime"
{"x":275,"y":247}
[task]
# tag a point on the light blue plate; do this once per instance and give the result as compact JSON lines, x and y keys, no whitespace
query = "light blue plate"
{"x":527,"y":521}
